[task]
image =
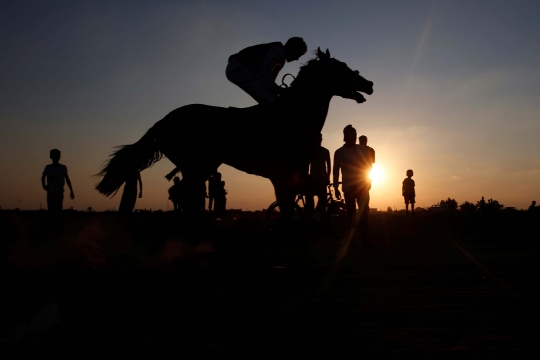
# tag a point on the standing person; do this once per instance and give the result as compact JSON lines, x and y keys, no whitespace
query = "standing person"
{"x":213,"y":186}
{"x":355,"y":183}
{"x":319,"y":171}
{"x":129,"y":196}
{"x":407,"y":190}
{"x":175,"y":194}
{"x":202,"y":196}
{"x":368,"y":156}
{"x":482,"y":204}
{"x":221,"y":200}
{"x":533,"y":207}
{"x":255,"y":68}
{"x":53,"y":179}
{"x":366,"y":161}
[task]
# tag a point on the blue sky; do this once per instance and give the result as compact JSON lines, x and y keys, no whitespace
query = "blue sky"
{"x":456,"y":95}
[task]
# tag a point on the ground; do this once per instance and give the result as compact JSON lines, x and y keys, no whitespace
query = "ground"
{"x":449,"y":283}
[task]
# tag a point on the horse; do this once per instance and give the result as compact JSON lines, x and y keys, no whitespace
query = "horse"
{"x":273,"y":141}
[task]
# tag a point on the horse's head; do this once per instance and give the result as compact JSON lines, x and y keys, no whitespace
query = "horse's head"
{"x":344,"y":81}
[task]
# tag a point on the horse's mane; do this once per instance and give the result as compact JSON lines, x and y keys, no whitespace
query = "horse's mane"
{"x":306,"y":68}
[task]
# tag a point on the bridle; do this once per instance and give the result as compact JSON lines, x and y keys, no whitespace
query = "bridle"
{"x":355,"y":76}
{"x":328,"y":69}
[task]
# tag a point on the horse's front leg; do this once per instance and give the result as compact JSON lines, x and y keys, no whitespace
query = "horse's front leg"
{"x":285,"y":198}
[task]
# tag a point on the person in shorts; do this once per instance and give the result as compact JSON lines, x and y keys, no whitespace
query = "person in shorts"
{"x":408,"y":192}
{"x":53,"y":179}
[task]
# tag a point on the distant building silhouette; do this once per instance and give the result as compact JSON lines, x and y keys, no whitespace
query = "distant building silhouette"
{"x":53,"y":179}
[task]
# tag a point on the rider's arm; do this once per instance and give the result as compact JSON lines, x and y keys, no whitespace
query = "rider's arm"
{"x":275,"y":57}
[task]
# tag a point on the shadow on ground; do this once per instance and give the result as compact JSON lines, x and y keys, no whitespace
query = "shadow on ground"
{"x":453,"y":283}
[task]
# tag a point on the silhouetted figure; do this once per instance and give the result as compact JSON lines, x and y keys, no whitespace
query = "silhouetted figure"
{"x":319,"y":171}
{"x":407,"y":190}
{"x":175,"y":194}
{"x":220,"y":200}
{"x":255,"y":68}
{"x":482,"y":204}
{"x":352,"y":162}
{"x":366,"y":160}
{"x":533,"y":207}
{"x":129,"y":196}
{"x":53,"y":179}
{"x":368,"y":156}
{"x":202,"y":196}
{"x":213,"y":185}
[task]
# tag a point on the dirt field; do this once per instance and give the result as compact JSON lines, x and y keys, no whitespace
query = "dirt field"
{"x":451,"y":283}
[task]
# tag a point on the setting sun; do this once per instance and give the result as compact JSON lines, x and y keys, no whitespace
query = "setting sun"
{"x":376,"y":174}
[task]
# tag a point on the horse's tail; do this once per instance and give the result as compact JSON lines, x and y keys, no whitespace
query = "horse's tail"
{"x":126,"y":160}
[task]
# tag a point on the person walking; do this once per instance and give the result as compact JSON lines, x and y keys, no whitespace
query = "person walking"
{"x":54,"y":177}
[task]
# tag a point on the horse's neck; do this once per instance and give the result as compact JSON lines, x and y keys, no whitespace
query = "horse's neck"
{"x":313,"y":104}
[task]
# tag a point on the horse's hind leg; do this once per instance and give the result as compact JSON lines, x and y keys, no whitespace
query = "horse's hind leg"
{"x":285,"y":198}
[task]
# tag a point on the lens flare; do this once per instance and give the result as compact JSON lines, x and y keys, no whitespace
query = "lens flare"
{"x":376,"y":174}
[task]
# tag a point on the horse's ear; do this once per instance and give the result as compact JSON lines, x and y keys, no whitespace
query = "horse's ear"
{"x":327,"y":53}
{"x":320,"y":54}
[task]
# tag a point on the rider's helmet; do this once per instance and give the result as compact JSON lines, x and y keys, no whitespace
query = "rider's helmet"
{"x":295,"y":47}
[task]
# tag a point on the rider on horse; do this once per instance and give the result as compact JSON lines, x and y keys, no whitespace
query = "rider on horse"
{"x":255,"y":68}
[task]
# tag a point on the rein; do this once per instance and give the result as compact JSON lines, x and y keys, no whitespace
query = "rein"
{"x":283,"y":85}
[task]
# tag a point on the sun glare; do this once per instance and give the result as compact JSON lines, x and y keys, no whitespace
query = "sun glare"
{"x":376,"y":174}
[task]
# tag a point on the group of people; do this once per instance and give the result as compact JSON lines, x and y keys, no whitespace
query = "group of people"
{"x":353,"y":162}
{"x":216,"y":195}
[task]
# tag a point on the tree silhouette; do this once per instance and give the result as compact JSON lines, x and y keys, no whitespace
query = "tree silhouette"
{"x":467,"y":207}
{"x":451,"y":203}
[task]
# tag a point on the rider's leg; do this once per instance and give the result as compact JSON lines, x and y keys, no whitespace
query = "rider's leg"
{"x":248,"y":81}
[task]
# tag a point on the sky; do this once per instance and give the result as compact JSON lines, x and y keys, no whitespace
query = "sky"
{"x":456,"y":90}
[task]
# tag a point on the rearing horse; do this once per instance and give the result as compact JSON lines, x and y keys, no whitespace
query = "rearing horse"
{"x":273,"y":141}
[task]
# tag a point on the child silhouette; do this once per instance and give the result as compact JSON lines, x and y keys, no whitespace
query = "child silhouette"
{"x":53,"y":179}
{"x":408,"y":192}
